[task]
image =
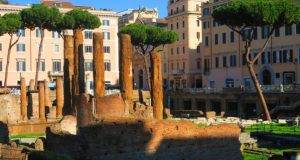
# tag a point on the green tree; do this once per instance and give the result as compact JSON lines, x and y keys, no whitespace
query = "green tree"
{"x":3,"y":2}
{"x":245,"y":16}
{"x":146,"y":39}
{"x":82,"y":20}
{"x":13,"y":24}
{"x":44,"y":18}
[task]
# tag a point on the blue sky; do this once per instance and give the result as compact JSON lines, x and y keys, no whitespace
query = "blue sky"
{"x":116,"y":5}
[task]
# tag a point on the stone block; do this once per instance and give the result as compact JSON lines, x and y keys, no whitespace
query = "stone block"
{"x":110,"y":106}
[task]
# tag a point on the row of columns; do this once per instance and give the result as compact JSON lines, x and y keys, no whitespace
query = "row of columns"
{"x":42,"y":99}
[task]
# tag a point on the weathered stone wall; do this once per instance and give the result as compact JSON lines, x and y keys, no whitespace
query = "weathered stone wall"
{"x":149,"y":139}
{"x":29,"y":128}
{"x":10,"y":108}
{"x":12,"y":152}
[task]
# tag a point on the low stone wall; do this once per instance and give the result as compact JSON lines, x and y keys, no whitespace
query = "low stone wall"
{"x":148,"y":139}
{"x":12,"y":152}
{"x":29,"y":128}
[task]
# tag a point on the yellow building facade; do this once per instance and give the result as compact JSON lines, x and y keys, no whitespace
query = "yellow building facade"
{"x":184,"y":63}
{"x":24,"y":54}
{"x":222,"y":50}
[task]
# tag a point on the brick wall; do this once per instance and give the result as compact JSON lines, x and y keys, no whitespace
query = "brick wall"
{"x":148,"y":139}
{"x":10,"y":108}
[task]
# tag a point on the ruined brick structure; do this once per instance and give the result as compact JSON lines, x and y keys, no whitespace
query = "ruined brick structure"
{"x":150,"y":139}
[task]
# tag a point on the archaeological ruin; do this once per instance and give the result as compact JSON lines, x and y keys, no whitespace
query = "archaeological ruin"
{"x":119,"y":126}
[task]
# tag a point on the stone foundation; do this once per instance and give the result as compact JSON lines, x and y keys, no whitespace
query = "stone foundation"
{"x":133,"y":139}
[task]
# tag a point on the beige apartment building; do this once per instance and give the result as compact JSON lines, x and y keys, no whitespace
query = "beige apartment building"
{"x":222,"y":49}
{"x":147,"y":17}
{"x":25,"y":52}
{"x":184,"y":55}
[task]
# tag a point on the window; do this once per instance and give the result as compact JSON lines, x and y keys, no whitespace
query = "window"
{"x":42,"y":65}
{"x":88,"y":35}
{"x":232,"y":60}
{"x":265,"y":32}
{"x":212,"y":84}
{"x":183,"y":65}
{"x":206,"y":25}
{"x":21,"y":47}
{"x":217,"y":62}
{"x":55,"y":34}
{"x":287,"y":56}
{"x":183,"y":50}
{"x":206,"y":66}
{"x":177,"y":25}
{"x":288,"y":30}
{"x":105,"y":22}
{"x":177,"y":50}
{"x":21,"y":32}
{"x":107,"y":66}
{"x":183,"y":9}
{"x":216,"y":39}
{"x":106,"y":49}
{"x":0,"y":46}
{"x":224,"y":38}
{"x":198,"y":23}
{"x":198,"y":49}
{"x":1,"y":65}
{"x":265,"y":58}
{"x":38,"y":33}
{"x":215,"y":23}
{"x":182,"y":24}
{"x":198,"y":35}
{"x":298,"y":28}
{"x":56,"y":66}
{"x":183,"y":36}
{"x":199,"y":64}
{"x":172,"y":66}
{"x":172,"y":51}
{"x":171,"y":26}
{"x":205,"y":11}
{"x":21,"y":65}
{"x":255,"y":34}
{"x":56,"y":47}
{"x":88,"y":66}
{"x":232,"y":36}
{"x":224,"y":61}
{"x":183,"y":83}
{"x":256,"y":62}
{"x":277,"y":32}
{"x":277,"y":75}
{"x":277,"y":57}
{"x":106,"y":35}
{"x":178,"y":67}
{"x":206,"y":41}
{"x":246,"y":34}
{"x":165,"y":68}
{"x":88,"y":49}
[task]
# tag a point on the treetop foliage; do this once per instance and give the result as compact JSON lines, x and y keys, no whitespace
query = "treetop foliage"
{"x":257,"y":13}
{"x":3,"y":26}
{"x":142,"y":35}
{"x":79,"y":19}
{"x":41,"y":16}
{"x":13,"y":23}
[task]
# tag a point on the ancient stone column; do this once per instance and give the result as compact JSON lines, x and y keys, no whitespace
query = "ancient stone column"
{"x":157,"y":90}
{"x":126,"y":83}
{"x":31,"y":85}
{"x":47,"y":95}
{"x":98,"y":65}
{"x":87,"y":84}
{"x":78,"y":55}
{"x":59,"y":97}
{"x":42,"y":115}
{"x":68,"y":72}
{"x":23,"y":99}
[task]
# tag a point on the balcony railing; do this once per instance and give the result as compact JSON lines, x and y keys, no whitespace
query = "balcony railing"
{"x":180,"y":71}
{"x":265,"y":88}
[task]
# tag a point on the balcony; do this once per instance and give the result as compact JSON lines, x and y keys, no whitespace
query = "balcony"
{"x":56,"y":73}
{"x":178,"y":72}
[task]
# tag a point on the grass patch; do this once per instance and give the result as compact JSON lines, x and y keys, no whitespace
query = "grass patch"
{"x":17,"y":136}
{"x":249,"y":156}
{"x":201,"y":125}
{"x":274,"y":128}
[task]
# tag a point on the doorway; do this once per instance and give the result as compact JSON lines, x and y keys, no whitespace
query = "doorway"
{"x":266,"y":74}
